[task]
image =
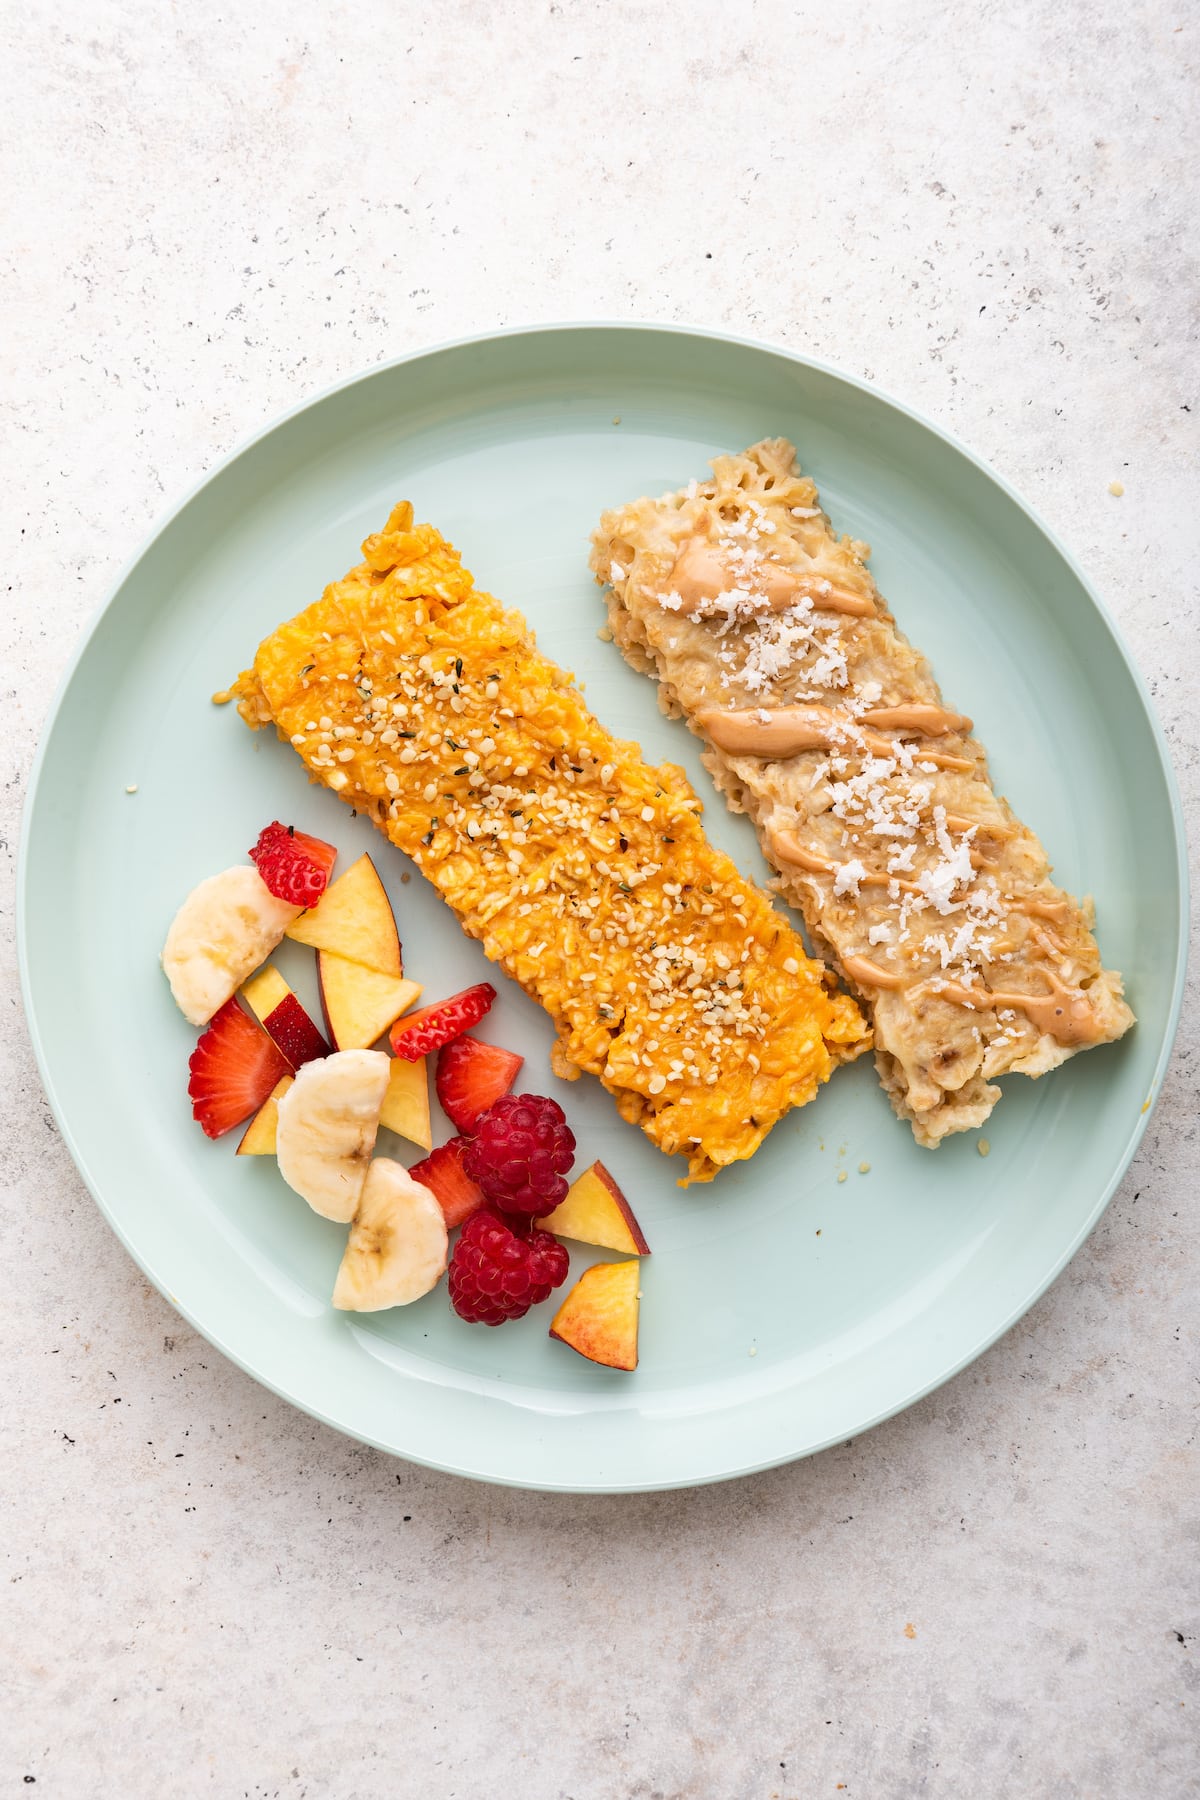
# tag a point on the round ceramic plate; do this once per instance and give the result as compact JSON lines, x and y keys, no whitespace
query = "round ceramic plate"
{"x":783,"y":1308}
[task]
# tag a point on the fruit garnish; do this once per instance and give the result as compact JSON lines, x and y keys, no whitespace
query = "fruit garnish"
{"x":225,"y":928}
{"x":443,"y":1173}
{"x":360,"y":1003}
{"x":258,"y":1139}
{"x":406,"y":1103}
{"x":422,"y":1032}
{"x":499,"y":1269}
{"x":397,"y":1246}
{"x":595,"y":1211}
{"x":328,"y":1120}
{"x":283,"y":1018}
{"x":354,"y":919}
{"x":471,"y":1076}
{"x":295,"y":867}
{"x":233,"y":1069}
{"x":522,"y":1153}
{"x":599,"y":1317}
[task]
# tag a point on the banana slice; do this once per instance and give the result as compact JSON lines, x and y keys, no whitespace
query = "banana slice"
{"x":326,"y":1132}
{"x":225,"y":928}
{"x":397,"y":1246}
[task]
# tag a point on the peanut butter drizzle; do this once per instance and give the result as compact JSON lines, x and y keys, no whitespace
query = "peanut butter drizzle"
{"x":962,"y":763}
{"x":869,"y":974}
{"x":1063,"y":1013}
{"x":785,"y":846}
{"x":827,"y":598}
{"x":701,"y":573}
{"x":785,"y":731}
{"x":928,"y":721}
{"x":764,"y":733}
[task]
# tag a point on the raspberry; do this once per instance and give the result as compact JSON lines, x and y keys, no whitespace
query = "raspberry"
{"x":294,"y":866}
{"x":500,"y":1268}
{"x":521,"y":1153}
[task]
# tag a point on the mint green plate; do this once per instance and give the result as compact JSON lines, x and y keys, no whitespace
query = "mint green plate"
{"x":783,"y":1310}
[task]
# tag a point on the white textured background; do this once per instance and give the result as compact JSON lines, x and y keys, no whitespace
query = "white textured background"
{"x":211,"y":211}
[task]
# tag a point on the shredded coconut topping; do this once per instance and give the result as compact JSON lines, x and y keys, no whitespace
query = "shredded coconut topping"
{"x":847,"y":875}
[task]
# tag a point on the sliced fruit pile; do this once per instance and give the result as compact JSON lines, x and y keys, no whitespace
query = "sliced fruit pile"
{"x":316,"y":1103}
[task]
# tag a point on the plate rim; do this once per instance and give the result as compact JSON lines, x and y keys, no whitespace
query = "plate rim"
{"x":876,"y":392}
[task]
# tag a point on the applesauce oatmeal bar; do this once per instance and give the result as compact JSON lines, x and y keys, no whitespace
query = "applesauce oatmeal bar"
{"x":584,"y":872}
{"x":871,"y":797}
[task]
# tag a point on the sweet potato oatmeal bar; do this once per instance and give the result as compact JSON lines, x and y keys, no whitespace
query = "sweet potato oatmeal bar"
{"x":871,"y":797}
{"x":584,"y":872}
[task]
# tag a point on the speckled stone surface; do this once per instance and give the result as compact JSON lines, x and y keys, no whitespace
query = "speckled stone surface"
{"x":212,"y":212}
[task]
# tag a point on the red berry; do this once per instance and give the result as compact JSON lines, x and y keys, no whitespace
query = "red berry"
{"x":500,"y":1269}
{"x":443,"y":1174}
{"x":470,"y":1076}
{"x":294,"y":866}
{"x":421,"y":1033}
{"x":233,"y":1069}
{"x":522,"y":1153}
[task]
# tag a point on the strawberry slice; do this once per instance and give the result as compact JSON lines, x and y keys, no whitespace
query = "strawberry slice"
{"x":294,"y":866}
{"x":443,"y":1173}
{"x":421,"y":1033}
{"x":470,"y":1075}
{"x":233,"y":1069}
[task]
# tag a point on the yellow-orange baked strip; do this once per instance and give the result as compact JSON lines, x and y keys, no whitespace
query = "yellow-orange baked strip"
{"x":871,"y":796}
{"x":583,"y":871}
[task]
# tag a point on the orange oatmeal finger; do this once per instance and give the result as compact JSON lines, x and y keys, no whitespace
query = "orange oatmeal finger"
{"x":583,"y":871}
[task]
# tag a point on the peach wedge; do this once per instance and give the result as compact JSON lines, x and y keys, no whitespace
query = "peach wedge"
{"x":406,"y":1102}
{"x":599,"y":1317}
{"x":353,"y":918}
{"x":360,"y":1003}
{"x":595,"y":1211}
{"x":258,"y":1139}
